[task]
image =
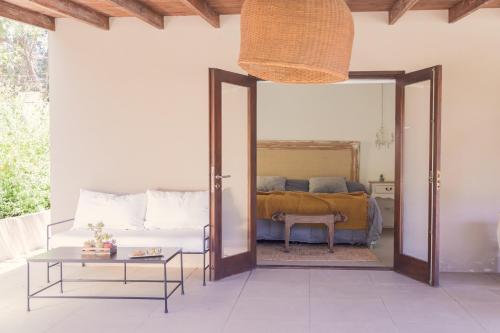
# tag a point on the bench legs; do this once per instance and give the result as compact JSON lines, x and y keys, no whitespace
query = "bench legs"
{"x":327,"y":220}
{"x":288,"y":227}
{"x":331,"y":234}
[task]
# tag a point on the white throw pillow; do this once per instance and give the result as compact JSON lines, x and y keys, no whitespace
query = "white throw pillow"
{"x":91,"y":208}
{"x":174,"y":210}
{"x":115,"y":211}
{"x":126,"y":212}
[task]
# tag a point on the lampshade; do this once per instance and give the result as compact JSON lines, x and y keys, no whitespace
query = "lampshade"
{"x":296,"y":41}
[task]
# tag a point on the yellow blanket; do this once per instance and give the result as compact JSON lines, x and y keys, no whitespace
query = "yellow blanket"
{"x":353,"y":205}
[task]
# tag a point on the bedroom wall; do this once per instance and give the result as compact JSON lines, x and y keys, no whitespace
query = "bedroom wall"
{"x":129,"y":109}
{"x":331,"y":112}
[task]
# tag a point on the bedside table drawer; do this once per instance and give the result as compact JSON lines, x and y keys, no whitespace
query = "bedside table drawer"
{"x":383,"y":189}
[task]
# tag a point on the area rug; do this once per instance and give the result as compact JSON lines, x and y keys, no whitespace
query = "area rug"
{"x":313,"y":252}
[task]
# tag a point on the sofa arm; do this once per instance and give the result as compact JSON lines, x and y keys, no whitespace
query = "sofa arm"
{"x":50,"y":225}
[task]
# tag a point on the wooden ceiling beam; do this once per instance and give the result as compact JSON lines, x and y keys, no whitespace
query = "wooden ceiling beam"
{"x":77,"y":11}
{"x":142,"y":11}
{"x":464,"y":8}
{"x":28,"y":16}
{"x":202,"y":8}
{"x":399,"y":8}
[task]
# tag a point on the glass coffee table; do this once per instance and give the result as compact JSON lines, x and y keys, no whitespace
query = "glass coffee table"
{"x":62,"y":255}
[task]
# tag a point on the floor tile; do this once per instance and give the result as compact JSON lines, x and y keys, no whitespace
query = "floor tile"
{"x":265,"y":326}
{"x":180,"y":324}
{"x":486,"y":313}
{"x":385,"y":326}
{"x":393,"y":278}
{"x":340,"y":277}
{"x":271,"y":309}
{"x":348,"y":310}
{"x":289,"y":275}
{"x":440,"y":328}
{"x":266,"y":289}
{"x":333,"y":291}
{"x":422,"y":292}
{"x":468,"y":279}
{"x":473,"y":294}
{"x":439,"y":310}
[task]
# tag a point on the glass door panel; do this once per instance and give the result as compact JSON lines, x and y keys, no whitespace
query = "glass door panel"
{"x":235,"y":169}
{"x":232,"y":172}
{"x":418,"y":123}
{"x":416,"y":141}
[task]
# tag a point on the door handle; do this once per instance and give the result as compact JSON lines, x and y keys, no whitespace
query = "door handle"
{"x":222,"y":177}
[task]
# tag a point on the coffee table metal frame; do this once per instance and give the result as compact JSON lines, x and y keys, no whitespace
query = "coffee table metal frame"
{"x":206,"y":249}
{"x":112,"y":260}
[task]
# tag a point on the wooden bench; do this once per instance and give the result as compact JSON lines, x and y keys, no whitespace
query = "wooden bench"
{"x":327,"y":220}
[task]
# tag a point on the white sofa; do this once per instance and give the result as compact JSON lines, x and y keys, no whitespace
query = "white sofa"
{"x":151,"y":219}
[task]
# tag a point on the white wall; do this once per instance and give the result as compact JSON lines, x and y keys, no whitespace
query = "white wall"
{"x":331,"y":112}
{"x":129,"y":109}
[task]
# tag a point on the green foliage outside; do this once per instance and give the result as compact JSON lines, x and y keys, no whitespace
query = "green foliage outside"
{"x":24,"y":119}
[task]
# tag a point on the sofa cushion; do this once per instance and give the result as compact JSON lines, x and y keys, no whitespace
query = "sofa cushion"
{"x":189,"y":239}
{"x":174,"y":210}
{"x":115,"y":211}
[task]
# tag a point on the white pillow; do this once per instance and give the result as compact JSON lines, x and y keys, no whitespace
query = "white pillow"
{"x":126,"y":212}
{"x":174,"y":210}
{"x":115,"y":211}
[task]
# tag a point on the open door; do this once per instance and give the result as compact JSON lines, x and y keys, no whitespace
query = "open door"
{"x":418,"y":127}
{"x":232,"y":172}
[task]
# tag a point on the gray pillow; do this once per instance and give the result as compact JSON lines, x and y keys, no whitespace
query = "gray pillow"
{"x":297,"y":185}
{"x":327,"y":184}
{"x":355,"y":187}
{"x":270,"y":183}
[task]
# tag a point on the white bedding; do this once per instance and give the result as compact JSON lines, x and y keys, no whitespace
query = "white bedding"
{"x":189,"y":239}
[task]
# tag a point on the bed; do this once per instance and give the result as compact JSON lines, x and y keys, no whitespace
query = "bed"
{"x":297,"y":167}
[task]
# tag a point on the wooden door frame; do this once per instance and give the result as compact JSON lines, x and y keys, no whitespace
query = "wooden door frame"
{"x":233,"y":264}
{"x":412,"y":266}
{"x":399,"y":100}
{"x":374,"y":75}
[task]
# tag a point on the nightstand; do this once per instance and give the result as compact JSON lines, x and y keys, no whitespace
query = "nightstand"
{"x":383,"y":192}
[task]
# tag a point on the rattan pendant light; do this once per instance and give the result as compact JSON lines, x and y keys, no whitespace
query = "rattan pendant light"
{"x":296,"y":41}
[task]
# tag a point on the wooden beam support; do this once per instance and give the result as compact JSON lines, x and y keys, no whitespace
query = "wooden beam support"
{"x":202,"y":8}
{"x":142,"y":11}
{"x":399,"y":8}
{"x":28,"y":16}
{"x":464,"y":8}
{"x":77,"y":11}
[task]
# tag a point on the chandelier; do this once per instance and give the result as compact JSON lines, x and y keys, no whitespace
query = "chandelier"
{"x":383,"y":139}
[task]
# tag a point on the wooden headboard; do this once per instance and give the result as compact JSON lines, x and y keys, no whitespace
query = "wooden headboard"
{"x":306,"y":159}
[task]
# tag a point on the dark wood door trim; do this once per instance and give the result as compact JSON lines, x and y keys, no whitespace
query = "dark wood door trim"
{"x":427,"y":272}
{"x":223,"y":267}
{"x":375,"y":74}
{"x":437,"y":100}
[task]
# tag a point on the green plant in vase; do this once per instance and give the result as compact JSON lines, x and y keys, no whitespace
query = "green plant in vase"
{"x":101,"y":238}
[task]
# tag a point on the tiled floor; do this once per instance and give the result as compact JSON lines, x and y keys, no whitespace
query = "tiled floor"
{"x":265,"y":300}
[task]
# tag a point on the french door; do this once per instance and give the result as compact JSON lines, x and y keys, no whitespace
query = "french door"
{"x":232,"y":172}
{"x":418,"y":127}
